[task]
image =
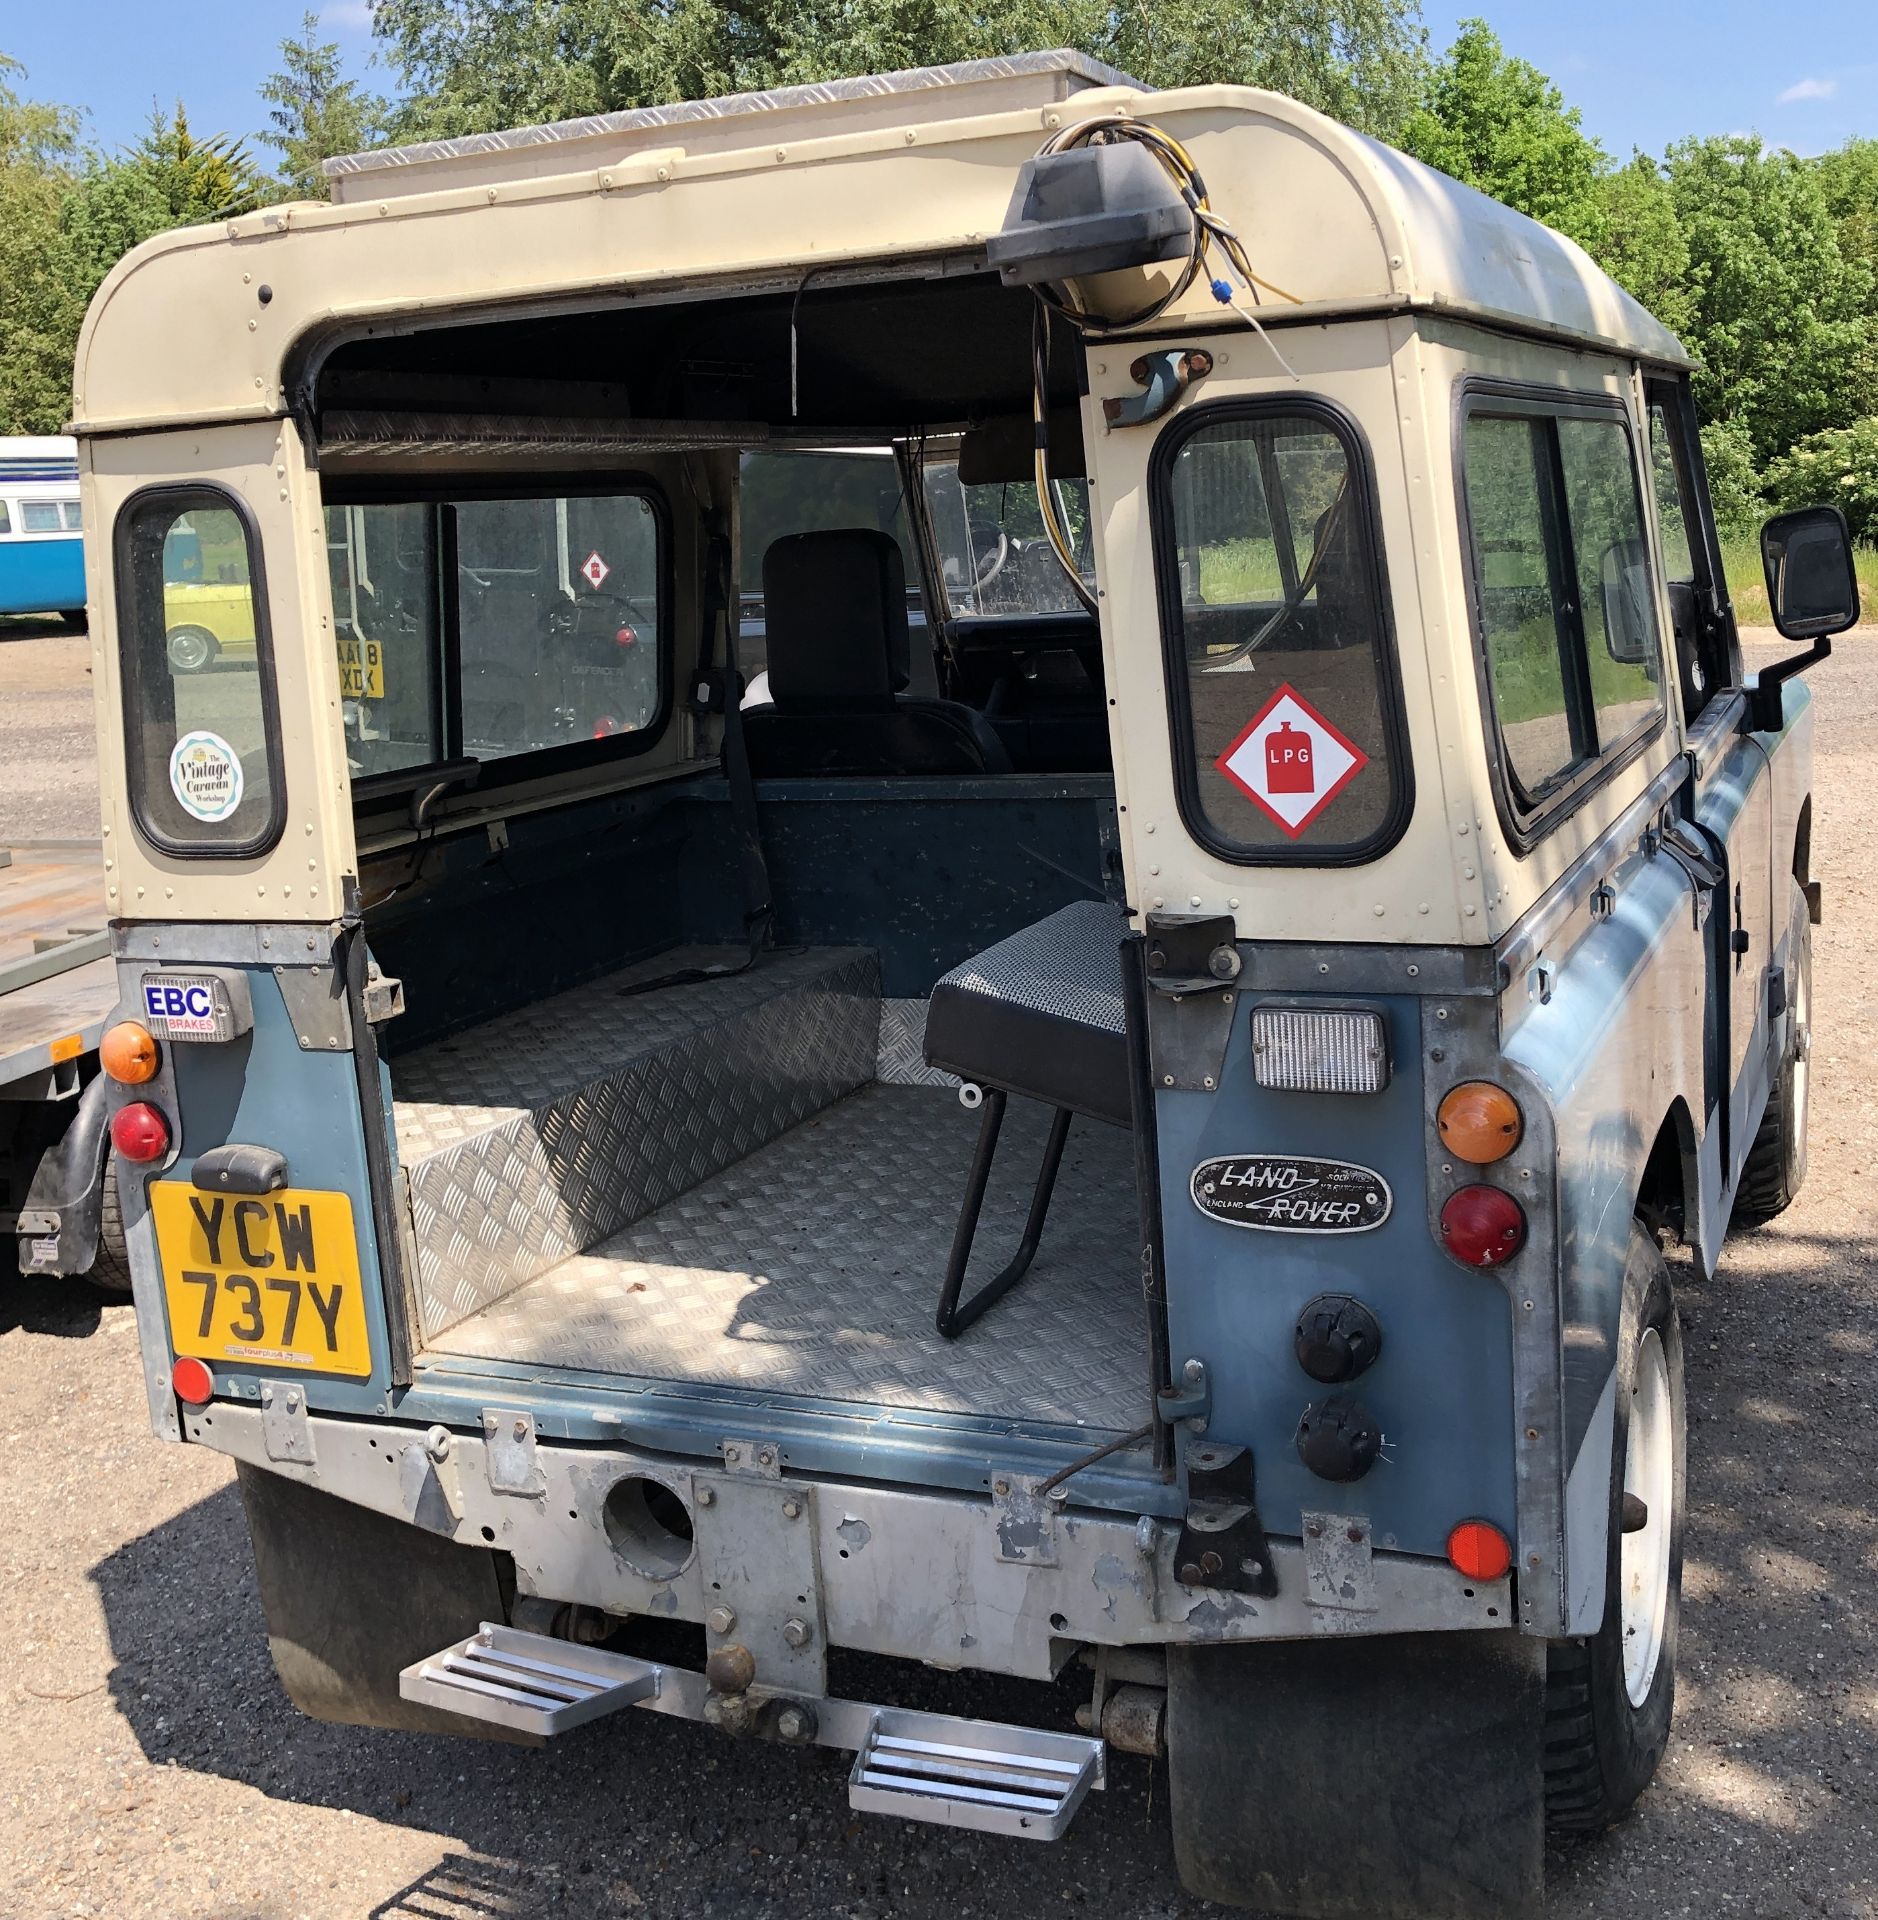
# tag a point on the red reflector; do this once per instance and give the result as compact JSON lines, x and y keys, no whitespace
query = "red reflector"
{"x":626,"y":637}
{"x":139,"y":1132}
{"x":193,"y":1382}
{"x":1479,"y":1549}
{"x":605,"y":727}
{"x":1482,"y":1226}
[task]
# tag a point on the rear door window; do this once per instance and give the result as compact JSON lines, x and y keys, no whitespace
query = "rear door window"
{"x":200,"y":721}
{"x":1564,"y":592}
{"x":1288,"y":737}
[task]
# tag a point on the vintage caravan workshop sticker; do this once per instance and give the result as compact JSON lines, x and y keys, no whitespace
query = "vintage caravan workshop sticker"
{"x":1291,"y":1193}
{"x":205,"y":776}
{"x":1291,"y":761}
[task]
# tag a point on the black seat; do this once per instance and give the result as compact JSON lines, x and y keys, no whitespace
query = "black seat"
{"x":1039,"y":1014}
{"x":835,"y":610}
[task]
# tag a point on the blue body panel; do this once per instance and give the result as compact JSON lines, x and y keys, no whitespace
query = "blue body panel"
{"x":42,"y":574}
{"x":1441,"y":1388}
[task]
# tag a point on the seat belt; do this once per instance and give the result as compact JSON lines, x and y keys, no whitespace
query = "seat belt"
{"x":759,"y":918}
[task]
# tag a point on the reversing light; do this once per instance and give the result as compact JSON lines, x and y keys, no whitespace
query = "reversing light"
{"x":1319,"y":1049}
{"x":1478,"y":1122}
{"x":128,"y":1053}
{"x":192,"y":1382}
{"x":1482,"y":1226}
{"x":1480,"y":1550}
{"x":139,"y":1132}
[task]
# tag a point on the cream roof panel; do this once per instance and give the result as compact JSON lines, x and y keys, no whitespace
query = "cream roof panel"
{"x":645,"y":205}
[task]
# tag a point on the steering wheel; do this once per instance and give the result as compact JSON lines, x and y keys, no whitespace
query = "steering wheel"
{"x":1001,"y":551}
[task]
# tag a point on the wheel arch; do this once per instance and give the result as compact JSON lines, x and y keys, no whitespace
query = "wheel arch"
{"x":1669,"y":1188}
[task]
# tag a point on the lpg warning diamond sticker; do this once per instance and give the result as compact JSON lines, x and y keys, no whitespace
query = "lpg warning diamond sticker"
{"x":1291,"y":761}
{"x":593,"y":570}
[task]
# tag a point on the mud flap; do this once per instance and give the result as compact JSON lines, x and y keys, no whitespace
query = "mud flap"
{"x":1395,"y":1778}
{"x":352,"y":1597}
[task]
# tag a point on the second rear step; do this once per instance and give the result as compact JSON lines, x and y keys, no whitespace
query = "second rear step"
{"x":980,"y":1774}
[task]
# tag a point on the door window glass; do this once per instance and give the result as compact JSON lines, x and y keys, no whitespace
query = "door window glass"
{"x":1277,"y":641}
{"x":1678,"y":558}
{"x":204,"y":772}
{"x":1616,"y":593}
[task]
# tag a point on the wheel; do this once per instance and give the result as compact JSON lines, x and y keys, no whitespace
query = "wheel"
{"x":1776,"y":1163}
{"x":191,"y":649}
{"x":1609,"y":1696}
{"x":74,"y":619}
{"x":110,"y":1270}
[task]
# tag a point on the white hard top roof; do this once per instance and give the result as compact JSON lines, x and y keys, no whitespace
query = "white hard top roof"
{"x":878,"y":173}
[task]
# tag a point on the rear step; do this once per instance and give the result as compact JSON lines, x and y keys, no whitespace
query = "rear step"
{"x":973,"y":1773}
{"x":922,"y":1766}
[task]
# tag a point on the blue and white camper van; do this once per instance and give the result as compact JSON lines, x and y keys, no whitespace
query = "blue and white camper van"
{"x":42,"y":550}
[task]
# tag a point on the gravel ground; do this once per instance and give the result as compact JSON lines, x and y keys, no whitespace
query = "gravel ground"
{"x":48,"y":745}
{"x":149,"y":1764}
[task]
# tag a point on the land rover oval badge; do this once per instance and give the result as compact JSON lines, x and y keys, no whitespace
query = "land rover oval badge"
{"x":1291,"y":1193}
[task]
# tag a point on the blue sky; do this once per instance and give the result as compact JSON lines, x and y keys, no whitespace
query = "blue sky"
{"x":1643,"y":71}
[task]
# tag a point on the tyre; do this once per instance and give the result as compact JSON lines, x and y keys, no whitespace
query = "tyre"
{"x":191,"y":649}
{"x":1610,"y":1695}
{"x":110,"y":1271}
{"x":1776,"y":1162}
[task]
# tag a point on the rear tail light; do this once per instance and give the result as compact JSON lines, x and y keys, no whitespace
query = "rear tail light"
{"x":1319,"y":1049}
{"x":1478,"y":1122}
{"x":1480,"y":1550}
{"x":626,"y":637}
{"x":1482,"y":1226}
{"x":192,"y":1382}
{"x":605,"y":727}
{"x":139,"y":1132}
{"x":128,"y":1053}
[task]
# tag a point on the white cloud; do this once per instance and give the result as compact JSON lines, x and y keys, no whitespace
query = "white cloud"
{"x":1808,"y":90}
{"x":352,"y":15}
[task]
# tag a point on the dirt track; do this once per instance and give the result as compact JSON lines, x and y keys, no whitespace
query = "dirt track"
{"x":148,"y":1763}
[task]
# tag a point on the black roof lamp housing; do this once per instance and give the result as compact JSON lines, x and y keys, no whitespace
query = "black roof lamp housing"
{"x":1088,"y":210}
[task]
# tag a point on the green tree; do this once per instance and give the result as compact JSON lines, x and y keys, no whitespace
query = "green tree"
{"x":315,"y":112}
{"x":1497,"y":123}
{"x":168,"y":179}
{"x":469,"y":66}
{"x":1637,"y":237}
{"x":1780,"y":316}
{"x":38,"y":156}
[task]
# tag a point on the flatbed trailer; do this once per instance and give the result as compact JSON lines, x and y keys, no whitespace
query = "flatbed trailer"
{"x":57,"y":989}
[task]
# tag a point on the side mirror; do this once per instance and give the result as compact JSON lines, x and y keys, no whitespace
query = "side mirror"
{"x":1629,"y":609}
{"x":1812,"y":588}
{"x":1812,"y":585}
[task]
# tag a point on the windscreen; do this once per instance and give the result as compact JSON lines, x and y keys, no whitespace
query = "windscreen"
{"x":994,"y":558}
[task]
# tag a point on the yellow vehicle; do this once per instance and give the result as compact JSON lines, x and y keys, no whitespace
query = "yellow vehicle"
{"x":205,"y":621}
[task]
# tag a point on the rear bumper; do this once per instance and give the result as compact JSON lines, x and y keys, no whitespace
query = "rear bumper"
{"x":999,"y":1583}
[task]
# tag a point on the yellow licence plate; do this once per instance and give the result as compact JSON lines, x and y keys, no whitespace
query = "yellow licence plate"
{"x":361,"y":670}
{"x":272,"y":1279}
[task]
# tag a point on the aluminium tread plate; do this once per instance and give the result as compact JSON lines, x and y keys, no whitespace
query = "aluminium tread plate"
{"x":813,"y":1268}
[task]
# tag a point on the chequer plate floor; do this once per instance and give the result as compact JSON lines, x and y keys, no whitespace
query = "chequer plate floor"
{"x":813,"y":1267}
